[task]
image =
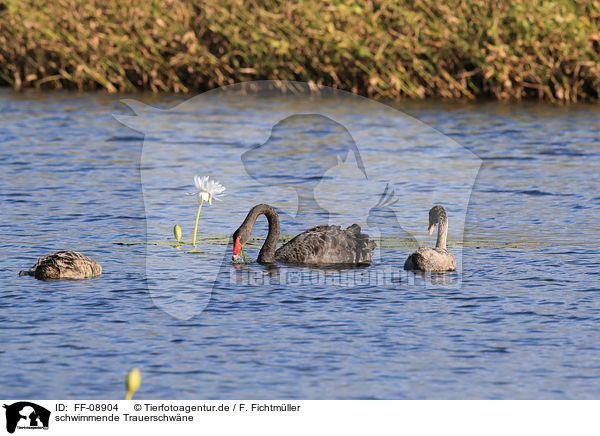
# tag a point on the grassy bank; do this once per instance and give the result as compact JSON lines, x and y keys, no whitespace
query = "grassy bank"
{"x":385,"y":49}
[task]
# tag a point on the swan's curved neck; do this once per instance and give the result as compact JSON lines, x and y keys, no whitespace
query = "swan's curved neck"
{"x":442,"y":233}
{"x":267,"y":252}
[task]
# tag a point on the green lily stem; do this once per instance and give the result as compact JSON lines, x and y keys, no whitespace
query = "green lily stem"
{"x":196,"y":226}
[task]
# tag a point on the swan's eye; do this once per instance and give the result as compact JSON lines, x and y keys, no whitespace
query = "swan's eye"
{"x":237,"y":246}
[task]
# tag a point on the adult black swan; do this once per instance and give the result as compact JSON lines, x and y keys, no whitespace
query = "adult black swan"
{"x":322,"y":245}
{"x":438,"y":258}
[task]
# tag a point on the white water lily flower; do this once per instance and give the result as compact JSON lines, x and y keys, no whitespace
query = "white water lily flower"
{"x":207,"y":189}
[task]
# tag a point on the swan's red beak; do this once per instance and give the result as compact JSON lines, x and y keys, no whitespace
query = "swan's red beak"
{"x":236,"y":249}
{"x":431,"y":229}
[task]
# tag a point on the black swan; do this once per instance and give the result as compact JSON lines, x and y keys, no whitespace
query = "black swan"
{"x":438,"y":258}
{"x":64,"y":265}
{"x":322,"y":245}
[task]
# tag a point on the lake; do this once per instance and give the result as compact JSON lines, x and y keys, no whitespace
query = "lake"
{"x":518,"y":320}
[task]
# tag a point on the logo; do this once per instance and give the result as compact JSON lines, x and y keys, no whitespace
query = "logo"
{"x":26,"y":415}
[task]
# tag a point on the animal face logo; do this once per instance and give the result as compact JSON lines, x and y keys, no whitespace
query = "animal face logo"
{"x":318,"y":158}
{"x":297,"y":154}
{"x":27,"y":415}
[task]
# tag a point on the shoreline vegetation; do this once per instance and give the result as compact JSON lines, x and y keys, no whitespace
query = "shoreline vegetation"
{"x":507,"y":50}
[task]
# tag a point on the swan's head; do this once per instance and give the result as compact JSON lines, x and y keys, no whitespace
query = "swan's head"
{"x":437,"y":214}
{"x":240,"y":237}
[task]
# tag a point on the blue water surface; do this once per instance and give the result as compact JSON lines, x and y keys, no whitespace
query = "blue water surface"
{"x":524,"y":323}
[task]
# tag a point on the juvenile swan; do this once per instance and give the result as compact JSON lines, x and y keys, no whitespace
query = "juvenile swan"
{"x":438,"y":258}
{"x":322,"y":245}
{"x":64,"y":265}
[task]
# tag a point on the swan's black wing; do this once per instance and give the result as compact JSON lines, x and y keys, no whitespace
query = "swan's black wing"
{"x":328,"y":245}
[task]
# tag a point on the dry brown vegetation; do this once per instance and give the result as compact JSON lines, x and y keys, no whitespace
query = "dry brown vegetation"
{"x":386,"y":49}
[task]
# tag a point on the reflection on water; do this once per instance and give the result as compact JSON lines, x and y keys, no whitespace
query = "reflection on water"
{"x":523,"y":323}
